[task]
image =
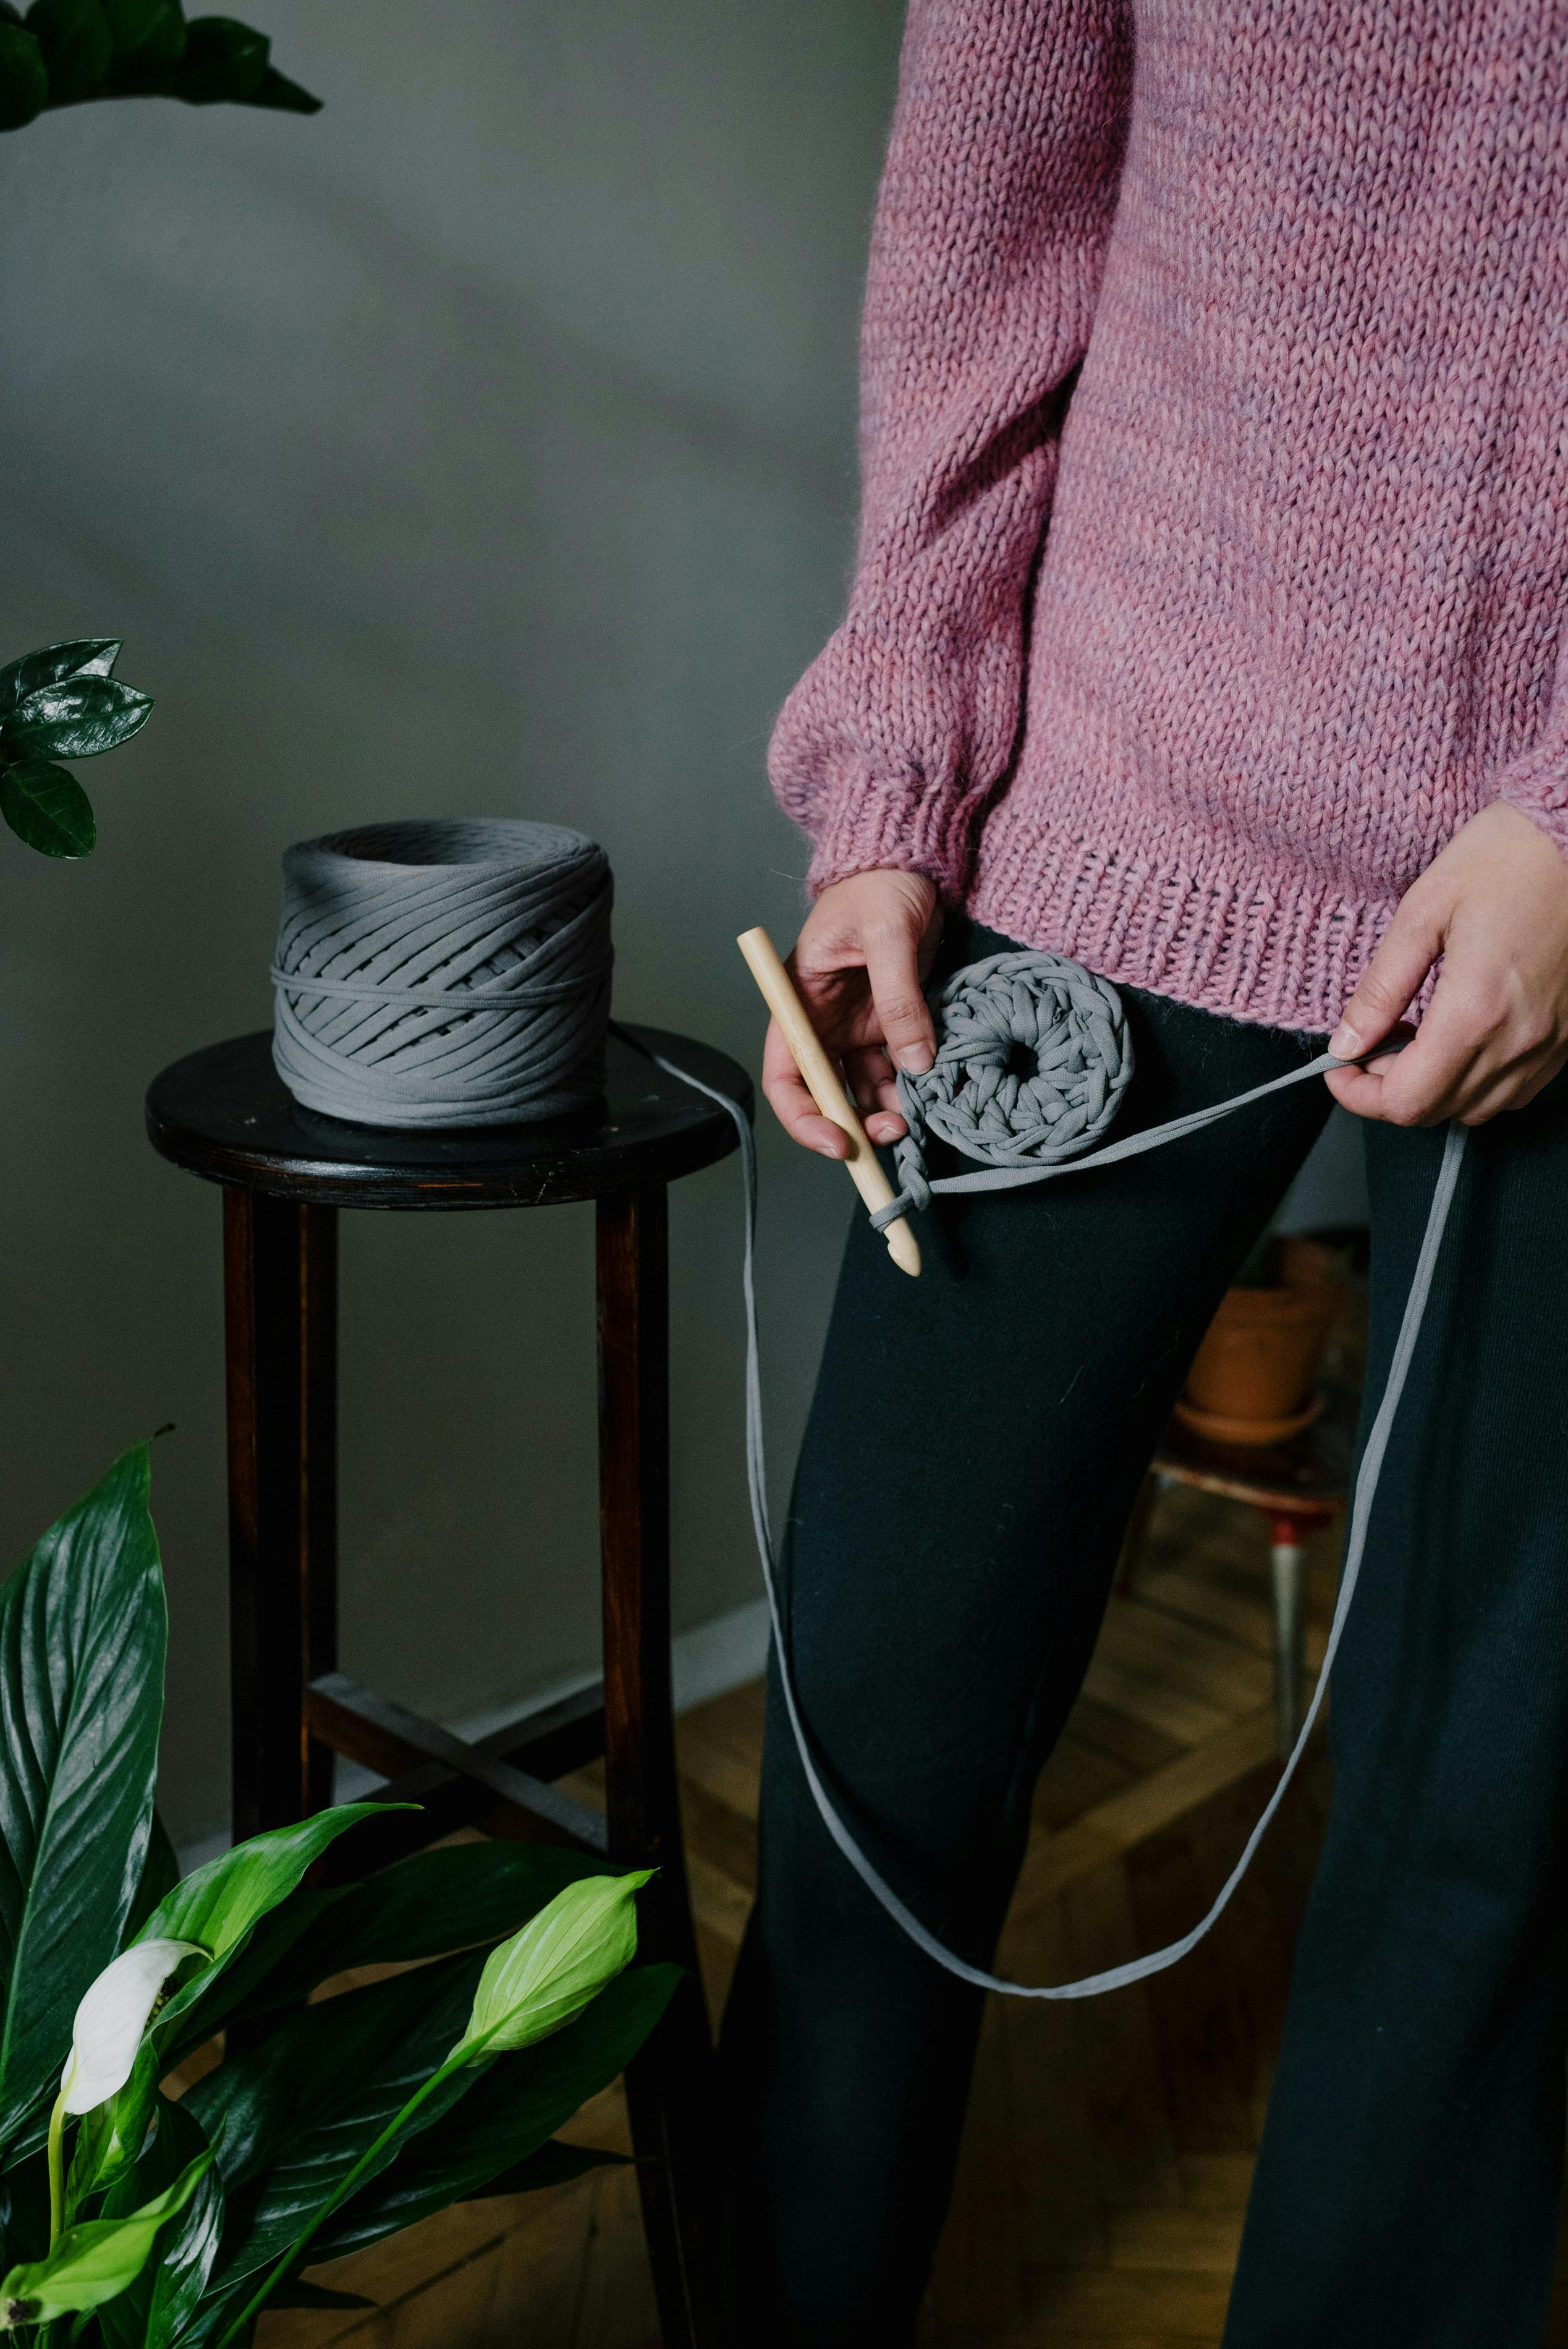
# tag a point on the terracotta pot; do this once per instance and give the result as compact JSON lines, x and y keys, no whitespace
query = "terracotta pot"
{"x":1255,"y":1367}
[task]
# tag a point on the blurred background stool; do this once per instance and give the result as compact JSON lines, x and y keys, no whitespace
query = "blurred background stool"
{"x":1298,"y":1485}
{"x":225,"y":1114}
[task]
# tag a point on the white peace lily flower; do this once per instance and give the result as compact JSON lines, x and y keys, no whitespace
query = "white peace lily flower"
{"x":111,"y":2019}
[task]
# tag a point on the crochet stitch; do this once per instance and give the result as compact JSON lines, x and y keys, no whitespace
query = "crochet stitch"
{"x":1265,"y":313}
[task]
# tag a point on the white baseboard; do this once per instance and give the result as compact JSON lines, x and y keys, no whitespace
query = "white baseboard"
{"x":707,"y":1661}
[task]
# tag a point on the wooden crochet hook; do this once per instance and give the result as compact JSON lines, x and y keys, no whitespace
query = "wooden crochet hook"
{"x":826,"y":1089}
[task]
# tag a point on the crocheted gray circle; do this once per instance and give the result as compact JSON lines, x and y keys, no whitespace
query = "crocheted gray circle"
{"x":1033,"y":1058}
{"x":449,"y":971}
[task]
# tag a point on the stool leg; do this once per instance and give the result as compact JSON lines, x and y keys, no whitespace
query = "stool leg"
{"x":280,"y":1294}
{"x":1287,"y":1573}
{"x":669,"y":2085}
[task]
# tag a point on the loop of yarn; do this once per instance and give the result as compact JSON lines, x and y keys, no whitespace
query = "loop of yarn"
{"x":448,"y":971}
{"x":1032,"y":1061}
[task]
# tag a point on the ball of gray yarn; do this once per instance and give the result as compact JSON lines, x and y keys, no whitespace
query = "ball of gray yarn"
{"x":1033,"y":1058}
{"x":444,"y":972}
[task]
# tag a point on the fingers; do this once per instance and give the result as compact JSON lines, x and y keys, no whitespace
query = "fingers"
{"x":869,"y":1077}
{"x":1418,"y":1086}
{"x":791,"y":1102}
{"x":892,"y":954}
{"x":1394,"y":977}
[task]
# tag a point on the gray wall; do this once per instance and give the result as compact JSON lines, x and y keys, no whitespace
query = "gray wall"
{"x":485,"y":443}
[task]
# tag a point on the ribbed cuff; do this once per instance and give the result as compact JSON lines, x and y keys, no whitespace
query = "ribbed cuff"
{"x":869,"y":827}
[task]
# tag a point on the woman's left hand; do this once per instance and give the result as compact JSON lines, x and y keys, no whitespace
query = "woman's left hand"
{"x":1494,"y":905}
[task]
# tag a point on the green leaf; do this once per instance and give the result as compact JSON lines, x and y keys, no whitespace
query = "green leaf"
{"x":498,"y":2140}
{"x":110,"y":2138}
{"x":47,"y":809}
{"x":223,"y":62}
{"x":456,"y":1898}
{"x":77,"y":656}
{"x":546,"y":1975}
{"x":75,"y":39}
{"x":24,"y":77}
{"x":159,"y":1875}
{"x":150,"y":31}
{"x":219,"y":1905}
{"x":76,"y":718}
{"x":166,"y":2292}
{"x":292,"y":2115}
{"x":93,"y":2262}
{"x":82,"y":1637}
{"x":286,"y":97}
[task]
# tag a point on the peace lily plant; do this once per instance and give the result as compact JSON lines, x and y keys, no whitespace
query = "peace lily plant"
{"x":132,"y":2217}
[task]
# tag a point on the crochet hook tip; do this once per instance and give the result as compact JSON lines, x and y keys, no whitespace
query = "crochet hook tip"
{"x":826,"y":1087}
{"x":903,"y":1248}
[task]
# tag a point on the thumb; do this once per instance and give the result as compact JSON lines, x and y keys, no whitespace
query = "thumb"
{"x":1410,"y":944}
{"x":892,"y":966}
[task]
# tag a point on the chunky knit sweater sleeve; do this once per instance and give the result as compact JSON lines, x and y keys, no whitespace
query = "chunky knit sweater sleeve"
{"x":1536,"y":780}
{"x":992,"y":225}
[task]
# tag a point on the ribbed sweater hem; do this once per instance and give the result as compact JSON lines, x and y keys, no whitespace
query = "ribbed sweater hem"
{"x":1285,"y":951}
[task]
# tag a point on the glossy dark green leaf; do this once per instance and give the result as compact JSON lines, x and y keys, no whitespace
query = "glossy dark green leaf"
{"x":47,"y":809}
{"x":457,"y":1897}
{"x":24,"y":77}
{"x":292,"y":2115}
{"x":154,"y":2311}
{"x":160,"y":1874}
{"x":286,"y":97}
{"x":74,"y":38}
{"x":152,"y":32}
{"x":509,"y":2117}
{"x":24,"y":2209}
{"x":95,"y":2261}
{"x":223,"y":62}
{"x":78,"y":719}
{"x":75,"y":656}
{"x":109,"y":2138}
{"x":219,"y":1905}
{"x":82,"y":1637}
{"x":436,"y":1901}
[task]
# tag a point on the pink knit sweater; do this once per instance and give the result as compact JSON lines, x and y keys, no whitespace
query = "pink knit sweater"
{"x":1213,"y":560}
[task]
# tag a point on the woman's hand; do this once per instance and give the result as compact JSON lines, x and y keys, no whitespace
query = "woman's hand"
{"x":859,"y":962}
{"x":1494,"y":904}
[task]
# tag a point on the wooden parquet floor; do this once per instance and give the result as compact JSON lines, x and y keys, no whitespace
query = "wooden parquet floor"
{"x":1109,"y":2143}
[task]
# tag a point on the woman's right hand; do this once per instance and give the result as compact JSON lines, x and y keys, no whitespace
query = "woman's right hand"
{"x":859,"y":965}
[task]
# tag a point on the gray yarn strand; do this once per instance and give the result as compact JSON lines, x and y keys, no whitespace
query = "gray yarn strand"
{"x":444,"y":972}
{"x":1363,"y":1500}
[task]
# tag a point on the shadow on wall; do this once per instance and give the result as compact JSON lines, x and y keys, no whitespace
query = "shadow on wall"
{"x":485,"y":443}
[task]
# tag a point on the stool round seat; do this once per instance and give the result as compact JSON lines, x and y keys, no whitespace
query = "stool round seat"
{"x":224,"y":1112}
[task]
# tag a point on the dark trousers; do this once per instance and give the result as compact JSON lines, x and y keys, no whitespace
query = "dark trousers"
{"x":976,"y":1443}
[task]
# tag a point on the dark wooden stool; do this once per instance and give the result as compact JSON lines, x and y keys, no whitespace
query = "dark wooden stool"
{"x":225,"y":1114}
{"x":1298,"y":1485}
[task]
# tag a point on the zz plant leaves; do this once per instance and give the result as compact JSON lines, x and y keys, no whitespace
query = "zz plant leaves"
{"x":47,"y":809}
{"x":59,"y":702}
{"x":70,"y":50}
{"x":76,"y":718}
{"x":82,"y":1637}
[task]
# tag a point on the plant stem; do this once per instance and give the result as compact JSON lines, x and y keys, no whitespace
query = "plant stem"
{"x":56,"y":2171}
{"x":339,"y":2194}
